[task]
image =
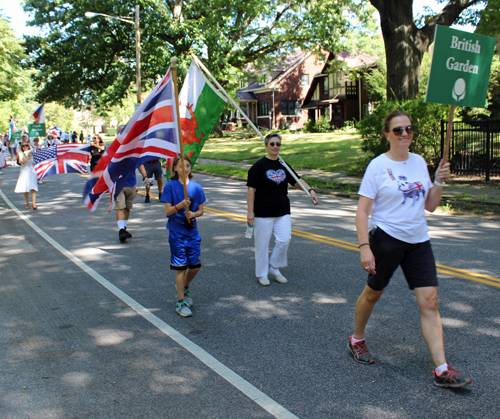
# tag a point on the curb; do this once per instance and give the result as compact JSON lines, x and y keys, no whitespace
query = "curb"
{"x":350,"y":195}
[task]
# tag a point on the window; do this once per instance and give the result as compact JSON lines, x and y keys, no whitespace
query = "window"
{"x":336,"y":80}
{"x":290,"y":107}
{"x":325,"y":86}
{"x":304,"y":80}
{"x":263,"y":109}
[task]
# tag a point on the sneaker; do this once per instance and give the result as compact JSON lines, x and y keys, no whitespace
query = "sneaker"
{"x":450,"y":378}
{"x":277,"y":275}
{"x":187,"y":297}
{"x":147,"y":199}
{"x":360,"y":352}
{"x":122,"y":235}
{"x":263,"y":280}
{"x":182,"y":307}
{"x":129,"y":235}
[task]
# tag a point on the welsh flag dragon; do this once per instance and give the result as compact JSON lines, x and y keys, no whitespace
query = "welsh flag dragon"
{"x":200,"y":105}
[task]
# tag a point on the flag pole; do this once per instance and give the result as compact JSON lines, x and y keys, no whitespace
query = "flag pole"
{"x":231,"y":100}
{"x":448,"y":134}
{"x":173,"y":65}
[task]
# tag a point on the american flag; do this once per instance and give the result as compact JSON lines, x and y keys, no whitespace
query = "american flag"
{"x":61,"y":158}
{"x":151,"y":133}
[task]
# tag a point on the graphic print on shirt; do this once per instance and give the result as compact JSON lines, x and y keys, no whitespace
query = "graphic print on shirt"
{"x":277,"y":176}
{"x":410,"y":189}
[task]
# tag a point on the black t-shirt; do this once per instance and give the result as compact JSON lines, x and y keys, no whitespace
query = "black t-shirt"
{"x":270,"y":180}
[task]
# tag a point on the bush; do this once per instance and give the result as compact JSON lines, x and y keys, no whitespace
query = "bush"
{"x":426,"y":117}
{"x":321,"y":125}
{"x":309,"y":126}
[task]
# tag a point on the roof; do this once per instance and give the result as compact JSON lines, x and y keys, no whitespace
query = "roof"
{"x":243,"y":96}
{"x":357,"y":61}
{"x":290,"y":62}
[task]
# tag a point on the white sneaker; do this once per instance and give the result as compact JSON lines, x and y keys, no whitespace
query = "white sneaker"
{"x":263,"y":280}
{"x":277,"y":275}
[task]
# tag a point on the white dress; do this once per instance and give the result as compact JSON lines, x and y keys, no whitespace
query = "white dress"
{"x":27,"y":178}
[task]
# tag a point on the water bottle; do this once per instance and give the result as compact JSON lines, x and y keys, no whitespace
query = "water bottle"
{"x":249,"y":232}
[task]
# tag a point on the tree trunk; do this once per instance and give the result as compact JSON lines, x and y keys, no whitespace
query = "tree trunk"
{"x":217,"y":131}
{"x":403,"y":48}
{"x":405,"y":44}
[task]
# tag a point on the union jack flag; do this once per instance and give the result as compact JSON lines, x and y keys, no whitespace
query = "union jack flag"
{"x":151,"y":133}
{"x":277,"y":176}
{"x":61,"y":158}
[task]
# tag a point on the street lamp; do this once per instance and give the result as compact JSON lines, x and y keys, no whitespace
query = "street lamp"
{"x":137,"y":42}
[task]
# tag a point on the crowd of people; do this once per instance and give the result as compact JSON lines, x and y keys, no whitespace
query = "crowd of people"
{"x":395,"y":192}
{"x":21,"y":154}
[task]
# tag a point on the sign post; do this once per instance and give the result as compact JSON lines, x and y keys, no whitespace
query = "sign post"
{"x":460,"y":71}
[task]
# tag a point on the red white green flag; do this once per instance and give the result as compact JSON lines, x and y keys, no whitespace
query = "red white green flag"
{"x":200,"y":105}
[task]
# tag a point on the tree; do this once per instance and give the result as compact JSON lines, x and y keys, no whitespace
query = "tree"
{"x":92,"y":61}
{"x":13,"y":79}
{"x":405,"y":43}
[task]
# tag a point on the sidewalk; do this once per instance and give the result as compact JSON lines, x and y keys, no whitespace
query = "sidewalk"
{"x":464,"y":193}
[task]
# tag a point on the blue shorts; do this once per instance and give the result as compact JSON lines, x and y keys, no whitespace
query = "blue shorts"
{"x":185,"y":251}
{"x":416,"y":261}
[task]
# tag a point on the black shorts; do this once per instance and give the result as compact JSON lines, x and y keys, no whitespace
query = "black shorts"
{"x":153,"y":168}
{"x":416,"y":261}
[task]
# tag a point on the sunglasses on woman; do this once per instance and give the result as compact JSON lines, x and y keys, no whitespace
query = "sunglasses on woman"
{"x":398,"y":131}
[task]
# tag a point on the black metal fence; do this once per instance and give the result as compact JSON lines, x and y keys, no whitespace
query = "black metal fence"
{"x":474,"y":147}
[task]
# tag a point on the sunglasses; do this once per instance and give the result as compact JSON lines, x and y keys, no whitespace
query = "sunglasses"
{"x":24,"y":146}
{"x":275,"y":144}
{"x":398,"y":131}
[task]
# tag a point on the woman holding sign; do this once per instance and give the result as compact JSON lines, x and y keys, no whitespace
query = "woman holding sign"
{"x":392,"y":231}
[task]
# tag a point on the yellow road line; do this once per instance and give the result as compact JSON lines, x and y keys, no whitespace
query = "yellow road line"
{"x":448,"y":270}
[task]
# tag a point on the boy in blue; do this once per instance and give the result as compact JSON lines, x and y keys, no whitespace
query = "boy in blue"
{"x":183,"y":237}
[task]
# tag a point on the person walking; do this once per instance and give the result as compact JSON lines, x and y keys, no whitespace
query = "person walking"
{"x":392,"y":231}
{"x":183,"y":235}
{"x":153,"y":168}
{"x":27,"y":180}
{"x":269,"y":210}
{"x":125,"y":202}
{"x":97,"y":149}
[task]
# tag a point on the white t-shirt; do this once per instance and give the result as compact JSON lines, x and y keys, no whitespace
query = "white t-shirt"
{"x":399,"y":189}
{"x":48,"y":143}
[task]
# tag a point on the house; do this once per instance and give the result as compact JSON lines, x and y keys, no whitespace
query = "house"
{"x":273,"y":98}
{"x":337,"y":94}
{"x":306,"y":88}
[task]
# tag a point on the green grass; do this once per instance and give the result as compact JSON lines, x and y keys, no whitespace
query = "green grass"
{"x":332,"y":152}
{"x":242,"y":172}
{"x":222,"y":169}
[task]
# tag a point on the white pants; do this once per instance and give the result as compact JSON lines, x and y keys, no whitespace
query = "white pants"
{"x":281,"y":227}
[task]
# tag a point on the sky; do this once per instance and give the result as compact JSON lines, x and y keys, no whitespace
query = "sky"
{"x":14,"y":10}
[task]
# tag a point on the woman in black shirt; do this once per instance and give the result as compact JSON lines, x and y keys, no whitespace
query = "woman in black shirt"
{"x":269,"y":210}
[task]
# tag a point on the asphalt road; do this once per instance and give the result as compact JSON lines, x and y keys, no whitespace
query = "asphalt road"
{"x":88,"y":327}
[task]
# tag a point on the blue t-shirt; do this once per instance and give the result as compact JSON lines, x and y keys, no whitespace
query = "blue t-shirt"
{"x":131,"y":181}
{"x":173,"y":193}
